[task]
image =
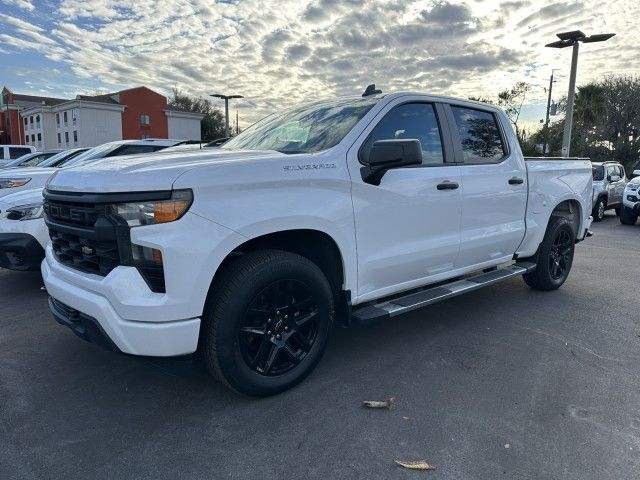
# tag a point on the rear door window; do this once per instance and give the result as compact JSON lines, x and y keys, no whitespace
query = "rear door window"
{"x":132,"y":150}
{"x":598,"y":173}
{"x":479,"y":135}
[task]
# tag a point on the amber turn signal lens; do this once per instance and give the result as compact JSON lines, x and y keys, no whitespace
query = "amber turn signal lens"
{"x":170,"y":210}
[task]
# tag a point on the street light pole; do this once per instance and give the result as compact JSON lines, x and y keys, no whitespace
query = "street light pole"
{"x":226,"y":99}
{"x":573,"y":39}
{"x":568,"y":122}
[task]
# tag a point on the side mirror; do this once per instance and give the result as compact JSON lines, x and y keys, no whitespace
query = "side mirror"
{"x":636,"y":173}
{"x":614,"y":178}
{"x":387,"y":154}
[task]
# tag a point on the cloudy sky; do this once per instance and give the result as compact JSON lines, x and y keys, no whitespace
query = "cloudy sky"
{"x":278,"y":53}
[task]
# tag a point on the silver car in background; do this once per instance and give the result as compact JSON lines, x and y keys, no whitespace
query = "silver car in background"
{"x":609,"y":181}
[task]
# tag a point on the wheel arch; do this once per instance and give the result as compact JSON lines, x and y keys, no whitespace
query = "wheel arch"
{"x":315,"y":245}
{"x":571,"y":210}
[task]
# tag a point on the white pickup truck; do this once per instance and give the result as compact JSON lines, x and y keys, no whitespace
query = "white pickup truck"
{"x":356,"y":209}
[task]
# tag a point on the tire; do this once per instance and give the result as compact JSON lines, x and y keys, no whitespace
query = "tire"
{"x":255,"y":303}
{"x":555,"y":256}
{"x":598,"y":210}
{"x":628,"y":217}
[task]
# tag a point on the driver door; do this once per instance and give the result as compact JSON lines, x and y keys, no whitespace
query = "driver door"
{"x":408,"y":226}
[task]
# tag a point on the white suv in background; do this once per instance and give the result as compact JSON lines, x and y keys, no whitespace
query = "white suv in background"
{"x":11,"y":152}
{"x":23,"y":233}
{"x":631,"y":201}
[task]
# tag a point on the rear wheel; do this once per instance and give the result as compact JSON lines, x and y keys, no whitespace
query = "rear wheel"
{"x":266,"y":327}
{"x":555,"y":256}
{"x":598,"y":210}
{"x":628,"y":216}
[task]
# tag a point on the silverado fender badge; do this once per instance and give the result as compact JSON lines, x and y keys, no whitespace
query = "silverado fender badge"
{"x":313,"y":166}
{"x":87,"y":250}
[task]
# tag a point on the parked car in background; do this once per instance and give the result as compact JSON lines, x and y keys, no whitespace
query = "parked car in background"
{"x":609,"y":180}
{"x":32,"y":159}
{"x":631,"y":201}
{"x":218,"y":142}
{"x":23,"y":233}
{"x":358,"y":208}
{"x":60,"y":158}
{"x":14,"y":180}
{"x":11,"y":152}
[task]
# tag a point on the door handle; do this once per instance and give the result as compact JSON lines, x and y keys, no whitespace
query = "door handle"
{"x":447,"y":185}
{"x":516,"y":181}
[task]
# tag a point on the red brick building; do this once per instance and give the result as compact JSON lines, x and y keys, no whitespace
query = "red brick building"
{"x":87,"y":121}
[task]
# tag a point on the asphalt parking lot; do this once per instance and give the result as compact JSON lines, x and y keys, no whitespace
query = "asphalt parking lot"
{"x":505,"y":382}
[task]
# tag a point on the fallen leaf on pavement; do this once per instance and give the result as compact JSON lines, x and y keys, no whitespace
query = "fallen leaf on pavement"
{"x":415,"y":465}
{"x":388,"y":404}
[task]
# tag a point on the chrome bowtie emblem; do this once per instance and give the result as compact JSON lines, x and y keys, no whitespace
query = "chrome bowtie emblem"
{"x":87,"y":250}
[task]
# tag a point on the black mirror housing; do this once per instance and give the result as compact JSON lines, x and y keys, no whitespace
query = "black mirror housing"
{"x":387,"y":154}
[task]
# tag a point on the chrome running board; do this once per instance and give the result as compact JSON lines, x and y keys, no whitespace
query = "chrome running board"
{"x":403,"y":304}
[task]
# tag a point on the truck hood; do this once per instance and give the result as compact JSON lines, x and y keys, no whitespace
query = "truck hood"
{"x":23,"y":197}
{"x":148,"y":172}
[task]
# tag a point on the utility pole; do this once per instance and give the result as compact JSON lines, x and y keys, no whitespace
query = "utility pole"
{"x":573,"y":39}
{"x":546,"y":122}
{"x":226,"y":99}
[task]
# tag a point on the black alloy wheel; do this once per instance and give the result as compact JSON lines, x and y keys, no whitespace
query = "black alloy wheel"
{"x":279,"y":328}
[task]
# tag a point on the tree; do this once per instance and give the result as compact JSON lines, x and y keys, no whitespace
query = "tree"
{"x":212,"y":125}
{"x":512,"y":100}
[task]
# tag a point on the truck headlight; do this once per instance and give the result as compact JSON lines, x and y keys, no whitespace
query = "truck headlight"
{"x":13,"y":182}
{"x":137,"y":214}
{"x":25,"y":212}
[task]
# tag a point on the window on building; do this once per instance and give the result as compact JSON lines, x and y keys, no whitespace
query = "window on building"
{"x":64,"y":118}
{"x":59,"y":138}
{"x":75,"y":136}
{"x":38,"y":120}
{"x":39,"y":137}
{"x":145,"y":119}
{"x":58,"y":119}
{"x":26,"y":139}
{"x":31,"y":120}
{"x":33,"y":138}
{"x":144,"y":136}
{"x":26,"y":121}
{"x":74,"y":115}
{"x":66,"y":138}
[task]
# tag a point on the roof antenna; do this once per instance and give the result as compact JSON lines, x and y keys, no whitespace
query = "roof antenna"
{"x":371,"y":90}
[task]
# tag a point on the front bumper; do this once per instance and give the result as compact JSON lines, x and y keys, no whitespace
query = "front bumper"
{"x":20,"y":251}
{"x":79,"y":308}
{"x":137,"y":320}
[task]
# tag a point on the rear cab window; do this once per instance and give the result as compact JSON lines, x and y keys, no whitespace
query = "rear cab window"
{"x":479,"y":134}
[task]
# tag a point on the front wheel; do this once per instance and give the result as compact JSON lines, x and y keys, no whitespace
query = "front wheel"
{"x":555,"y":256}
{"x":627,"y":216}
{"x":266,"y":326}
{"x":598,"y":210}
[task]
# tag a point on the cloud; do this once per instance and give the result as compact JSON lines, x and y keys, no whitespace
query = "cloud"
{"x":279,"y":52}
{"x":23,"y":4}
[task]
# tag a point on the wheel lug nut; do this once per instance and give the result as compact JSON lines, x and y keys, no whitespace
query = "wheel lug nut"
{"x":286,"y":329}
{"x":278,"y":336}
{"x":268,"y":332}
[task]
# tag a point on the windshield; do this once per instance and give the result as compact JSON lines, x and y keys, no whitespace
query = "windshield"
{"x":598,"y":172}
{"x":58,"y":157}
{"x":29,"y":160}
{"x":96,"y":152}
{"x":307,"y":129}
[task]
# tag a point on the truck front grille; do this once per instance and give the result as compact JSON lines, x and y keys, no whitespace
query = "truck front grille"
{"x":86,"y":235}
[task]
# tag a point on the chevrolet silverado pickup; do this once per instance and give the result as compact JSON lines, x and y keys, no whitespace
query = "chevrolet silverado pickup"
{"x":355,"y":209}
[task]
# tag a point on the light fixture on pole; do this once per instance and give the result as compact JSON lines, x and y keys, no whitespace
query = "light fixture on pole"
{"x":573,"y":39}
{"x":226,"y":99}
